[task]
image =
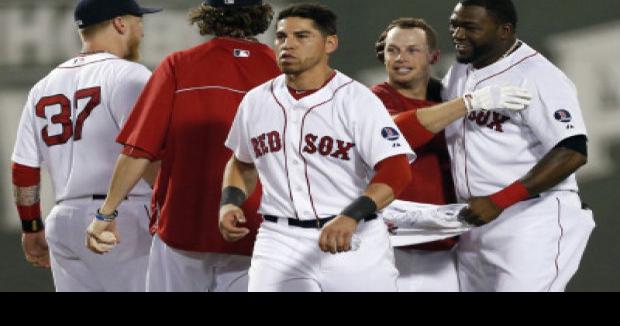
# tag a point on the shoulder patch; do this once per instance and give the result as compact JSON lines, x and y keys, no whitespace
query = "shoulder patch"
{"x":563,"y":116}
{"x":390,"y":133}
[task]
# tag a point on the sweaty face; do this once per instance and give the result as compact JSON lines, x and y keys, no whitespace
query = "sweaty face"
{"x":300,"y":46}
{"x":407,"y":56}
{"x":134,"y":37}
{"x":475,"y":35}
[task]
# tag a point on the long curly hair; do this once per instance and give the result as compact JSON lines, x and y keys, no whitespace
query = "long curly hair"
{"x":233,"y":22}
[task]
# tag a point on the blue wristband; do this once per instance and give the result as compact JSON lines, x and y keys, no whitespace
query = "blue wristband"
{"x":106,"y":218}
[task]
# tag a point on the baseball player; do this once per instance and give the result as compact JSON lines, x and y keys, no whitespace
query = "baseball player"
{"x":181,"y":119}
{"x":515,"y":169}
{"x":328,"y":156}
{"x":408,"y":48}
{"x":68,"y":126}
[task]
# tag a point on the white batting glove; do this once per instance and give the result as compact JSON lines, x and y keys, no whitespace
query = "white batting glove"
{"x":497,"y":98}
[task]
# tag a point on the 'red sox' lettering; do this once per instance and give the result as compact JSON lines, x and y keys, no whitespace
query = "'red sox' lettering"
{"x":326,"y":146}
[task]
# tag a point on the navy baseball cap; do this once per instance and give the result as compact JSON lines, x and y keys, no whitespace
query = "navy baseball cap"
{"x":233,"y":3}
{"x":90,"y":12}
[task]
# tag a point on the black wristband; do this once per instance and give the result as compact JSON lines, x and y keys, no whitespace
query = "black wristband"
{"x":33,"y":226}
{"x":232,"y":195}
{"x":361,"y":208}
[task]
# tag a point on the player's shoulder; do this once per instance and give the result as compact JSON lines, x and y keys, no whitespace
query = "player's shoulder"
{"x":344,"y":86}
{"x":261,"y":91}
{"x":535,"y":66}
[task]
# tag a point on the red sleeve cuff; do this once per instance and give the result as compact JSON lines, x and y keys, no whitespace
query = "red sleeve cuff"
{"x":415,"y":134}
{"x":136,"y":152}
{"x":393,"y":171}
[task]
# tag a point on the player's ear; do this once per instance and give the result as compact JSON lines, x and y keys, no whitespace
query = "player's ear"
{"x":120,"y":24}
{"x":331,"y":43}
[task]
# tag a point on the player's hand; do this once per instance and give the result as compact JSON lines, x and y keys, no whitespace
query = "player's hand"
{"x":231,"y":217}
{"x":481,"y":210}
{"x":35,"y":249}
{"x":102,"y":236}
{"x":336,"y":235}
{"x":498,"y":98}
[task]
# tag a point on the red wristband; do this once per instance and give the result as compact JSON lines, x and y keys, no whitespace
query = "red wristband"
{"x":29,"y":213}
{"x":510,"y":195}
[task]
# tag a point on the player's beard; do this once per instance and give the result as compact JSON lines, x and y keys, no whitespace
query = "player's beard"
{"x":299,"y":68}
{"x":133,"y":50}
{"x":478,"y":53}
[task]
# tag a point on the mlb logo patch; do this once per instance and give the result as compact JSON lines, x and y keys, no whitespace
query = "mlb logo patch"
{"x":238,"y":53}
{"x":390,"y":133}
{"x":563,"y":116}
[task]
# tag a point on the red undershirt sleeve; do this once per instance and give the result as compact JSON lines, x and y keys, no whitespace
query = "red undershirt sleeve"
{"x":394,"y":172}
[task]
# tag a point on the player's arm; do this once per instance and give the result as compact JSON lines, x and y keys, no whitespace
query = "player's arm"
{"x":391,"y":177}
{"x":127,"y":173}
{"x":559,"y":163}
{"x":150,"y":174}
{"x":238,"y":184}
{"x":421,"y":125}
{"x":27,"y":190}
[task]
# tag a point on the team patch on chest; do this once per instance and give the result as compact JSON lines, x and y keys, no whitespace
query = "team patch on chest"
{"x":271,"y":142}
{"x":489,"y":119}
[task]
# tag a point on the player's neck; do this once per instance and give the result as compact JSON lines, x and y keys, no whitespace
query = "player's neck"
{"x":89,"y":47}
{"x":310,"y":79}
{"x":414,"y":90}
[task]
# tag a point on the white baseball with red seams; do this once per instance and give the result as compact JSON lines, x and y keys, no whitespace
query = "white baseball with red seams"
{"x":314,"y":156}
{"x":490,"y":150}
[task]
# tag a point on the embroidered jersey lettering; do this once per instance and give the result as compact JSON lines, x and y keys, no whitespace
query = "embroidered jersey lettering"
{"x":71,"y":119}
{"x":324,"y":146}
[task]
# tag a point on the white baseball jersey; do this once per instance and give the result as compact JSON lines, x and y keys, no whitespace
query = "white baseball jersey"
{"x":316,"y":155}
{"x":491,"y":150}
{"x":71,"y":119}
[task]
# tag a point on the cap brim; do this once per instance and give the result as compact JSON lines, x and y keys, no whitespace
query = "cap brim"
{"x":149,"y":10}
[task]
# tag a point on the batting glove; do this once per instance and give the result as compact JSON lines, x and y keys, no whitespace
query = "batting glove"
{"x":497,"y":98}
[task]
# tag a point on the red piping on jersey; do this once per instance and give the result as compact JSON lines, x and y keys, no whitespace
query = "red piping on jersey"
{"x":503,"y":71}
{"x":106,"y":59}
{"x":303,"y":121}
{"x":200,"y":88}
{"x":290,"y":193}
{"x":465,"y":118}
{"x":557,"y":257}
{"x":465,"y":153}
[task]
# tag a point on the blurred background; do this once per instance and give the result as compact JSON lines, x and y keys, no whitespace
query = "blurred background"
{"x":582,"y":38}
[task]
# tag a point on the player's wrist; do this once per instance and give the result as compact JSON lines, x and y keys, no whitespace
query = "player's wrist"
{"x":105,"y":216}
{"x":510,"y":195}
{"x":232,"y":196}
{"x":33,"y":226}
{"x":30,"y":217}
{"x":361,"y":208}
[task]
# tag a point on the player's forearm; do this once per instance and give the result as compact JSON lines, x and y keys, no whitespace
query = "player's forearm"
{"x":240,"y":175}
{"x":554,"y":168}
{"x":380,"y":193}
{"x":127,"y":173}
{"x":438,"y":117}
{"x":150,"y":174}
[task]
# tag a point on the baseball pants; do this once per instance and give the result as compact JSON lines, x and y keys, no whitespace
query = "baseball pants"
{"x":288,"y":259}
{"x":426,"y":270}
{"x":533,"y":246}
{"x":174,"y":270}
{"x":76,"y":269}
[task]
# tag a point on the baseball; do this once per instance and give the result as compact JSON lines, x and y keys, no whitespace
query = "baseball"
{"x":107,"y":236}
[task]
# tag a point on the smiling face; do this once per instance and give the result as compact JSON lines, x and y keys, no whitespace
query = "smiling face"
{"x":478,"y":38}
{"x":407,"y":56}
{"x":300,"y":46}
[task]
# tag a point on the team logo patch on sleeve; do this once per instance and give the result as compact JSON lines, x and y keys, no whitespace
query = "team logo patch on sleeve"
{"x":563,"y":116}
{"x":390,"y":133}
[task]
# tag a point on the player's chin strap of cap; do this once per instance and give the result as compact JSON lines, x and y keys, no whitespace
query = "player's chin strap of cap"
{"x":361,"y":208}
{"x":232,"y":3}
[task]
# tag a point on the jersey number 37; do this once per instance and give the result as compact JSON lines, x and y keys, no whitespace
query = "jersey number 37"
{"x":64,"y":117}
